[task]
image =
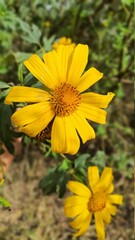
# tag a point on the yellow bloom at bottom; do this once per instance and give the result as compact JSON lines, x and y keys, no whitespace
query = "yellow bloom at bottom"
{"x":96,"y":200}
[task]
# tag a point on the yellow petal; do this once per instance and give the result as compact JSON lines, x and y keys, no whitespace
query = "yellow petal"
{"x":93,"y":176}
{"x":75,"y":200}
{"x":64,"y":58}
{"x":114,"y":198}
{"x":84,"y":226}
{"x":110,"y":188}
{"x":39,"y":70}
{"x":33,"y":119}
{"x":29,"y":114}
{"x":99,"y":226}
{"x":73,"y":211}
{"x":106,"y":216}
{"x":110,"y":208}
{"x":78,"y":63}
{"x":88,"y":79}
{"x":105,"y":179}
{"x":26,"y":94}
{"x":97,"y":100}
{"x":83,"y":128}
{"x":79,"y":220}
{"x":64,"y":136}
{"x":79,"y":189}
{"x":59,"y":62}
{"x":93,"y":113}
{"x":51,"y":61}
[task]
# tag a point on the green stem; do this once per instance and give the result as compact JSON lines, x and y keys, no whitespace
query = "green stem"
{"x":62,"y":155}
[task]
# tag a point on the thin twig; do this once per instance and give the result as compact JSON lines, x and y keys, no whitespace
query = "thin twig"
{"x":1,"y":169}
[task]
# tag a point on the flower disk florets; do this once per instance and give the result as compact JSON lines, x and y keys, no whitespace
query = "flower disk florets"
{"x":97,"y":202}
{"x":65,"y":99}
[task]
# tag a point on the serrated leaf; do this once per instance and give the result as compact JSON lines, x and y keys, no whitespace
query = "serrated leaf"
{"x":34,"y":35}
{"x":99,"y":159}
{"x":48,"y":42}
{"x":24,"y":26}
{"x":21,"y":56}
{"x":81,"y":160}
{"x":36,"y":32}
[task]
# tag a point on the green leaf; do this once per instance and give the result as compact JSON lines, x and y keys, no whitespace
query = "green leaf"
{"x":29,"y":80}
{"x":55,"y":181}
{"x":101,"y":130}
{"x":3,"y":70}
{"x":25,"y":26}
{"x":4,"y":93}
{"x":62,"y":184}
{"x":5,"y":124}
{"x":36,"y":32}
{"x":120,"y":91}
{"x":49,"y":182}
{"x":65,"y":165}
{"x":33,"y":35}
{"x":127,"y":2}
{"x":4,"y":203}
{"x":21,"y":56}
{"x":80,"y":174}
{"x":99,"y":159}
{"x":4,"y":85}
{"x":81,"y":160}
{"x":47,"y":42}
{"x":20,"y":72}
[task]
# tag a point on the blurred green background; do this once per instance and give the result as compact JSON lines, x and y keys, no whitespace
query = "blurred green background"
{"x":27,"y":27}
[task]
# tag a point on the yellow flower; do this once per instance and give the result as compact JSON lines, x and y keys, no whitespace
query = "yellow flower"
{"x":96,"y":200}
{"x":62,"y":41}
{"x":65,"y":105}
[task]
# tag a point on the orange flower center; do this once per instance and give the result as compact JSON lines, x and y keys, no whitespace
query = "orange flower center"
{"x":65,"y":99}
{"x":97,"y":202}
